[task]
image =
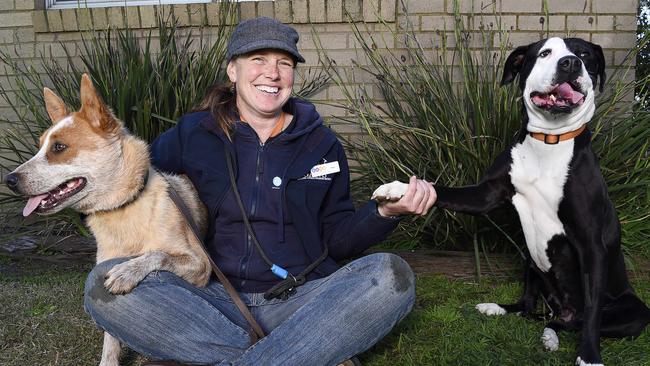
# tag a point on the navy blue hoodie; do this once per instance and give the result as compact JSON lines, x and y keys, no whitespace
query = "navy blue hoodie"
{"x":293,"y":214}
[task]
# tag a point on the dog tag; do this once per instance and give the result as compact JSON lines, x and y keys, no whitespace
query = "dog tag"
{"x":324,"y":169}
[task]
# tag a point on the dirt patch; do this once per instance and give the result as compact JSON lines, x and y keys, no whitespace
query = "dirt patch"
{"x":463,"y":265}
{"x":34,"y":255}
{"x":78,"y":253}
{"x":20,"y":266}
{"x":460,"y":265}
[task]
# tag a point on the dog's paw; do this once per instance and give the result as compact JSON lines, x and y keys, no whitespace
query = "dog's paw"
{"x":389,"y":192}
{"x":102,"y":363}
{"x":550,"y":340}
{"x":122,"y":278}
{"x":490,"y":309}
{"x":112,"y":362}
{"x":580,"y":362}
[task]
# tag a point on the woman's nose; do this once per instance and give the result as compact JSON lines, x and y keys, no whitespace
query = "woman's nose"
{"x":272,"y":72}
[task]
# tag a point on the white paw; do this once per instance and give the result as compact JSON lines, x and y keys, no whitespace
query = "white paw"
{"x":580,"y":362}
{"x":550,"y":340}
{"x":123,"y":277}
{"x":490,"y":309}
{"x":390,"y":192}
{"x":109,"y":363}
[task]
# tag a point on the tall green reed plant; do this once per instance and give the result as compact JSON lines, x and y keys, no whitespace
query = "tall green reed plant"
{"x":149,"y":82}
{"x":447,"y":121}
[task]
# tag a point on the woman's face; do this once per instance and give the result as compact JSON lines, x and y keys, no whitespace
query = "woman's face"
{"x":264,"y":80}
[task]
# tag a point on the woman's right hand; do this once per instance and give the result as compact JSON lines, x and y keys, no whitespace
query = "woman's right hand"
{"x":419,"y":197}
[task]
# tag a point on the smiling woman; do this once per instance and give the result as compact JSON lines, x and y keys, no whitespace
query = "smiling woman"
{"x":276,"y":184}
{"x":263,"y":83}
{"x":262,"y":57}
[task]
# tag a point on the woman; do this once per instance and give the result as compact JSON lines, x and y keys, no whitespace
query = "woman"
{"x":293,"y":178}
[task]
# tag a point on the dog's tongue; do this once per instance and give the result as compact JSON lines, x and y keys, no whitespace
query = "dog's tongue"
{"x":565,"y":91}
{"x":32,"y":203}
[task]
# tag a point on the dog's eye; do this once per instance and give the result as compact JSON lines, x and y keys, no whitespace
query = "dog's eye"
{"x":583,"y":54}
{"x":58,"y":147}
{"x":544,"y":53}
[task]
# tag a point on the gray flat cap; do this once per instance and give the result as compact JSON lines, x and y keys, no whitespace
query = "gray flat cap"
{"x":263,"y":33}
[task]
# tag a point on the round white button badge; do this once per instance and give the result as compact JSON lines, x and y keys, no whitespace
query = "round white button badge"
{"x":277,"y":181}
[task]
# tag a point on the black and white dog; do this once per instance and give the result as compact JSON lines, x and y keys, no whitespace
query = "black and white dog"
{"x":551,"y":176}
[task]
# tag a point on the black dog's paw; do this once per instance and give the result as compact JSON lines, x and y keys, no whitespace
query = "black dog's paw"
{"x":581,"y":362}
{"x":550,"y":340}
{"x":389,"y":192}
{"x":490,"y":309}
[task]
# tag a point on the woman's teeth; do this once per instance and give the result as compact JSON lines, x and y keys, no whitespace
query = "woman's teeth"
{"x":267,"y":89}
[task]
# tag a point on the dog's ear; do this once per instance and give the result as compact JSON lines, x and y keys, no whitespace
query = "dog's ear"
{"x":513,"y":64}
{"x":93,"y":108}
{"x":600,"y":61}
{"x":54,"y":105}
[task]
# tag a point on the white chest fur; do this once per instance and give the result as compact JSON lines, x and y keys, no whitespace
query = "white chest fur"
{"x":538,"y":173}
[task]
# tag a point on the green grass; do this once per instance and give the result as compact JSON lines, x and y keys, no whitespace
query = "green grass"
{"x":42,"y":322}
{"x":445,"y":329}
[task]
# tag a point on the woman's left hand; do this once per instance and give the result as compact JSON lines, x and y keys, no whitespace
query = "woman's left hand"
{"x":417,"y":200}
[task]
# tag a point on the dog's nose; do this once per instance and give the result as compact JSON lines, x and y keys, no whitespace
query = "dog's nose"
{"x":12,"y":181}
{"x":569,"y":64}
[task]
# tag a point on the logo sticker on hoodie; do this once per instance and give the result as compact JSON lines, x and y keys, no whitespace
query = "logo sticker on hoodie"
{"x":325,"y":169}
{"x":321,"y":171}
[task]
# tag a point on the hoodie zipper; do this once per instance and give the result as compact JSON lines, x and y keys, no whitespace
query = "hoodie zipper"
{"x":259,"y":170}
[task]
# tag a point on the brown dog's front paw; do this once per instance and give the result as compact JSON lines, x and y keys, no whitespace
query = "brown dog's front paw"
{"x":122,"y":278}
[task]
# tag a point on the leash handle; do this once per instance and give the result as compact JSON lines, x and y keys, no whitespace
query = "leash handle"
{"x":257,"y":331}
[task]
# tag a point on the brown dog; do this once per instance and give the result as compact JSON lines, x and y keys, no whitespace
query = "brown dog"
{"x":89,"y":162}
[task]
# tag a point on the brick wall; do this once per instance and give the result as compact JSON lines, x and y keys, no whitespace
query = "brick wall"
{"x":26,"y":32}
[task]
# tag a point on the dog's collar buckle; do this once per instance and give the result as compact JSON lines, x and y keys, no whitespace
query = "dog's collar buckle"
{"x":555,"y":139}
{"x":551,"y":139}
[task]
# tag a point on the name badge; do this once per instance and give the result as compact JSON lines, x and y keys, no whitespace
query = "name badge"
{"x":325,"y":169}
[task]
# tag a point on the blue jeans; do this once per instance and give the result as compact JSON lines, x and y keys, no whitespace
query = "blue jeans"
{"x":325,"y":322}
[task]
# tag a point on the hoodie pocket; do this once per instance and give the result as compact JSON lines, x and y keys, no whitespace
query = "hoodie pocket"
{"x":315,"y":191}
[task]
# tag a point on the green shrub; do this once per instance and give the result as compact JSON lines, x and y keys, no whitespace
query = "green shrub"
{"x":448,"y":129}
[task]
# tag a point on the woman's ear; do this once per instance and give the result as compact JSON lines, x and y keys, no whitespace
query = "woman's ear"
{"x":231,"y":70}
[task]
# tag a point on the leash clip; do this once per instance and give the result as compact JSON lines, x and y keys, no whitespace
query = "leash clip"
{"x":285,"y":288}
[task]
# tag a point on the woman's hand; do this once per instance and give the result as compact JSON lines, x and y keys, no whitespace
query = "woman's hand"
{"x":417,"y":200}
